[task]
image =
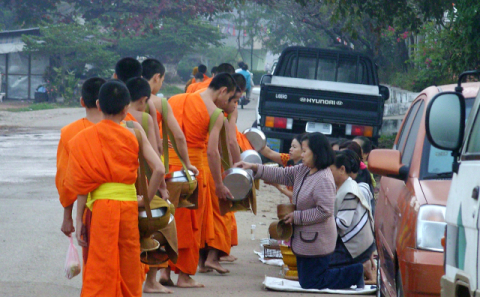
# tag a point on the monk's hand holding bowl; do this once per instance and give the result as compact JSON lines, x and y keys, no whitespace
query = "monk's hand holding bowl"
{"x":223,"y":192}
{"x":288,"y":218}
{"x":192,"y":169}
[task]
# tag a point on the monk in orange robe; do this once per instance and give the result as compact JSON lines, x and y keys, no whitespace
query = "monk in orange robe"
{"x":217,"y":230}
{"x":90,"y":89}
{"x":103,"y":161}
{"x":127,"y":68}
{"x":154,"y":71}
{"x":193,"y":112}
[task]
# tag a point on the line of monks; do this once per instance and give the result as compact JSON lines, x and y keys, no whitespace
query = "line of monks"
{"x":97,"y":164}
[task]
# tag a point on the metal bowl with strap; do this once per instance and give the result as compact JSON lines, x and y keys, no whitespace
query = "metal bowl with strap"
{"x":181,"y":185}
{"x":149,"y":220}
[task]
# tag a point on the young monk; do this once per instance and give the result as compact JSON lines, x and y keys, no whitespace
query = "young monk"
{"x":224,"y":67}
{"x":103,"y":162}
{"x":217,"y":237}
{"x":154,"y":71}
{"x":127,"y":68}
{"x":193,"y":112}
{"x":88,"y":100}
{"x":140,"y":94}
{"x":199,"y":77}
{"x":90,"y":89}
{"x":197,"y":84}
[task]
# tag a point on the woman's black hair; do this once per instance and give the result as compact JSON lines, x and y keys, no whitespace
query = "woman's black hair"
{"x":323,"y":154}
{"x":352,"y":145}
{"x":349,"y":159}
{"x":298,"y":138}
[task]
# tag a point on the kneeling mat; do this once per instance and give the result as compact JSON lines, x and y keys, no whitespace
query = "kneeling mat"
{"x":280,"y":284}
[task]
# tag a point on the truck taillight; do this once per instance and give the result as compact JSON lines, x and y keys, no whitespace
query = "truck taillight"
{"x":356,"y":130}
{"x":276,"y":122}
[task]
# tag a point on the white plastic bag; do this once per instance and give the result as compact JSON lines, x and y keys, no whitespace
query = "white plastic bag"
{"x":72,"y":263}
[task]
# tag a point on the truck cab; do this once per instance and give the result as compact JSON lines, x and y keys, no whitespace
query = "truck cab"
{"x":333,"y":92}
{"x":450,"y":126}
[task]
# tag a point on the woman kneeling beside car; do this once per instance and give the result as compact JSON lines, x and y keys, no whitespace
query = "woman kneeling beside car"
{"x":315,"y":231}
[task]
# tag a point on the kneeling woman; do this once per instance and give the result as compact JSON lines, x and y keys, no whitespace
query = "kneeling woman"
{"x":355,"y":242}
{"x":315,"y":231}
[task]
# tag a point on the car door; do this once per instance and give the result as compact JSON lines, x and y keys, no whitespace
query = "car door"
{"x":393,"y":190}
{"x":466,"y":213}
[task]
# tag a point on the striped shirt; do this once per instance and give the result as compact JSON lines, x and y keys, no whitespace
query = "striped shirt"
{"x":315,"y":231}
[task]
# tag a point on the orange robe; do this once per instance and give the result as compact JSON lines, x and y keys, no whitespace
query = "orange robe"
{"x":108,"y":153}
{"x":216,"y":228}
{"x":200,"y":85}
{"x":193,"y":118}
{"x":67,"y":197}
{"x":244,"y":145}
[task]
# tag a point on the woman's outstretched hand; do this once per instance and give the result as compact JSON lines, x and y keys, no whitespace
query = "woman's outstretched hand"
{"x":245,"y":165}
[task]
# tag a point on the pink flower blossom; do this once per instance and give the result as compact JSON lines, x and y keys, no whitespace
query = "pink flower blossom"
{"x":391,"y":29}
{"x":398,"y":39}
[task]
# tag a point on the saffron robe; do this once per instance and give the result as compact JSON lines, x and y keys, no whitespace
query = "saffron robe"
{"x":107,"y":153}
{"x":193,"y":118}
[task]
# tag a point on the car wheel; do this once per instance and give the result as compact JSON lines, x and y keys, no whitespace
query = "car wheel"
{"x":399,"y":283}
{"x":379,"y":280}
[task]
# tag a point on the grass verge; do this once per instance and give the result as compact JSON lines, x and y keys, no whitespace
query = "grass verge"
{"x":34,"y":106}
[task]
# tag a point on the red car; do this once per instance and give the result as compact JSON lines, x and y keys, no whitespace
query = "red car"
{"x":410,"y":210}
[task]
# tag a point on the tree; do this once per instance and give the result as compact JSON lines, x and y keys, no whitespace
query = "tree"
{"x":449,"y":48}
{"x":172,"y":41}
{"x":74,"y":49}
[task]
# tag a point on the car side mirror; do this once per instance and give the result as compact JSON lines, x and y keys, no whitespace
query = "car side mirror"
{"x":384,"y":92}
{"x":445,"y":121}
{"x":266,"y":79}
{"x":387,"y":163}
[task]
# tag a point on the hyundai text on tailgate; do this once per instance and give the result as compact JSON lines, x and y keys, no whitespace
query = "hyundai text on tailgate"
{"x":318,"y":90}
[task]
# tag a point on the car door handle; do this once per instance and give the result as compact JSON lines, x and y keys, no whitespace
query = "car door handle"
{"x":475,"y":193}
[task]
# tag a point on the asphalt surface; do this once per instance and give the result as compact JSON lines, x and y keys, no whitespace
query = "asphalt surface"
{"x":32,"y":247}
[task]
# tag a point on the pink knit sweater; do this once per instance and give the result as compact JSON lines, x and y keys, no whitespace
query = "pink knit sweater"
{"x":314,"y":229}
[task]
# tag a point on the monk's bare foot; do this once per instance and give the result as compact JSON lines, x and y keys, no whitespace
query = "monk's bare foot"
{"x":215,"y":265}
{"x":228,"y":258}
{"x":165,"y":279}
{"x":185,"y":281}
{"x":204,"y":270}
{"x":155,"y":287}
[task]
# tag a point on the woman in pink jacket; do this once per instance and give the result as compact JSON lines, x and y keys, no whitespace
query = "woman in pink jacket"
{"x":314,"y":228}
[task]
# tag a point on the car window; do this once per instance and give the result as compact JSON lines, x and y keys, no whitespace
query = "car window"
{"x":407,"y":153}
{"x":306,"y":67}
{"x":474,"y":140}
{"x":326,"y":69}
{"x":405,"y":128}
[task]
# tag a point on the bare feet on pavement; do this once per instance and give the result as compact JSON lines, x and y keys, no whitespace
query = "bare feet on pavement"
{"x":228,"y":258}
{"x":155,"y":287}
{"x":185,"y":281}
{"x":216,"y":266}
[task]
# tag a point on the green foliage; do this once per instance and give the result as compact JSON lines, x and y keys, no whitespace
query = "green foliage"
{"x":74,"y":50}
{"x":35,"y":106}
{"x":446,"y":51}
{"x":386,"y":141}
{"x":172,"y":41}
{"x":171,"y":90}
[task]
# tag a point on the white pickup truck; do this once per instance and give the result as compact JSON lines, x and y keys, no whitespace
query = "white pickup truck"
{"x":447,"y":129}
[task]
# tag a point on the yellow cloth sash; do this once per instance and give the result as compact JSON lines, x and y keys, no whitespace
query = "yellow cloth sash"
{"x":112,"y":191}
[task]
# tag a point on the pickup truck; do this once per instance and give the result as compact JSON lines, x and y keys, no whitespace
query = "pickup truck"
{"x":318,"y":90}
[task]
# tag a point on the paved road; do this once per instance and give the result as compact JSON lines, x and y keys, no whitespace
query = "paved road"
{"x":32,"y":248}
